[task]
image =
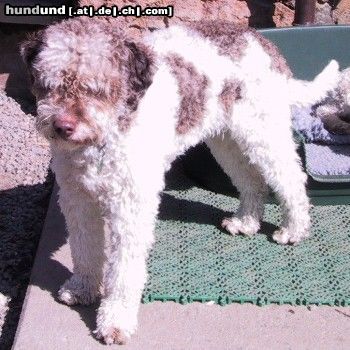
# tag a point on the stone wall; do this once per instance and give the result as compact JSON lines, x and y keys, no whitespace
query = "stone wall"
{"x":246,"y":12}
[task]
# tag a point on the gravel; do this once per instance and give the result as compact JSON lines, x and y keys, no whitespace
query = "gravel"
{"x":25,"y":187}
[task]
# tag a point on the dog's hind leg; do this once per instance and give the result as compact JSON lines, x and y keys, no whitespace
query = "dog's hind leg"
{"x":248,"y":182}
{"x":265,"y":137}
{"x":86,"y":238}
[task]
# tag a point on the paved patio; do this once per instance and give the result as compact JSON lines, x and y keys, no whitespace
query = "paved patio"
{"x":47,"y":324}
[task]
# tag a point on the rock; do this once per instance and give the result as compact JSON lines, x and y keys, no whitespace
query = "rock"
{"x":290,"y":3}
{"x":283,"y":16}
{"x":245,"y":12}
{"x":235,"y":11}
{"x":341,"y":13}
{"x":232,"y":10}
{"x":323,"y":13}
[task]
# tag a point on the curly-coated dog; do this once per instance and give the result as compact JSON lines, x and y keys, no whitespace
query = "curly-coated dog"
{"x":117,"y":112}
{"x":334,"y":110}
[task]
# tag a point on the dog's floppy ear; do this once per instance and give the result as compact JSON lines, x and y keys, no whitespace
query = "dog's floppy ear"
{"x":141,"y":70}
{"x":31,"y":47}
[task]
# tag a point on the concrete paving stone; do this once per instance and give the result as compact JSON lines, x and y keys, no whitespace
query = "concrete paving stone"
{"x":46,"y":324}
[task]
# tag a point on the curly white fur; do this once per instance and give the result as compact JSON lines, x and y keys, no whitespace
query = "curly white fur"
{"x":109,"y":194}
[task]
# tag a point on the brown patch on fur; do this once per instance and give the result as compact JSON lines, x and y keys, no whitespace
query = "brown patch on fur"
{"x":140,"y":71}
{"x":231,"y":92}
{"x":192,"y":87}
{"x":278,"y":62}
{"x":31,"y":47}
{"x":29,"y":50}
{"x":226,"y":36}
{"x":230,"y":40}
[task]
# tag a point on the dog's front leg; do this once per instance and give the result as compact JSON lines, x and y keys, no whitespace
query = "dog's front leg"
{"x":131,"y":236}
{"x":86,"y":238}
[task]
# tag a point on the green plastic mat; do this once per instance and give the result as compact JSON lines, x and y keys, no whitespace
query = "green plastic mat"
{"x":195,"y":260}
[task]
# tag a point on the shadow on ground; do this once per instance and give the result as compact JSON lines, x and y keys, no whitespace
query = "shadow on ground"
{"x":22,"y":215}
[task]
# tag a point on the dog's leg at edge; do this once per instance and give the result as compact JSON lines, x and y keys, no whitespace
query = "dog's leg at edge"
{"x":131,"y":237}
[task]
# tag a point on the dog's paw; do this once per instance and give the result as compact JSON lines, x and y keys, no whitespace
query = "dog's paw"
{"x":246,"y":225}
{"x":285,"y":236}
{"x":115,"y":322}
{"x":78,"y":290}
{"x":111,"y":336}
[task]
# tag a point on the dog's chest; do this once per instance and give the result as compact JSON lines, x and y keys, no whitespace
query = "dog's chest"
{"x":90,"y":171}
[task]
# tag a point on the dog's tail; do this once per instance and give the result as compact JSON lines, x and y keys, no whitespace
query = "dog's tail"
{"x":306,"y":93}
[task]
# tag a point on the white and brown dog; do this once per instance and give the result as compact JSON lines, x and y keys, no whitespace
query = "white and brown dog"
{"x":117,"y":113}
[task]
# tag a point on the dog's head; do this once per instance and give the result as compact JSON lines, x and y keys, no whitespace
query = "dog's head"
{"x":85,"y":75}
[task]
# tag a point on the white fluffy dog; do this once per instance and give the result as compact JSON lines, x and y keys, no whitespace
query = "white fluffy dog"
{"x":118,"y":112}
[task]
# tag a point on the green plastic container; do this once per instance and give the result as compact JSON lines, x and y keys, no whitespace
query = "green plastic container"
{"x":307,"y":50}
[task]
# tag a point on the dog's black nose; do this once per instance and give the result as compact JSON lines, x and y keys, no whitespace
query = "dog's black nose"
{"x":64,"y":127}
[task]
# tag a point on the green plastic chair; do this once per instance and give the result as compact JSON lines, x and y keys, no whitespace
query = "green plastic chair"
{"x":307,"y":50}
